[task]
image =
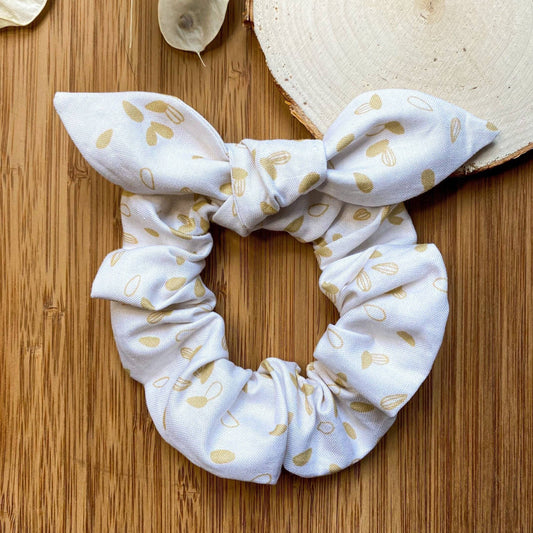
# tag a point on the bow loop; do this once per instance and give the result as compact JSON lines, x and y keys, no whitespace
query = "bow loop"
{"x":269,"y":175}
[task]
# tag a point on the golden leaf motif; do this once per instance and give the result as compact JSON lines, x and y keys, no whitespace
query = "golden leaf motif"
{"x":317,"y":210}
{"x":133,"y":112}
{"x":334,"y":468}
{"x":345,"y":141}
{"x":155,"y":129}
{"x":441,"y":284}
{"x":491,"y":126}
{"x":334,"y":338}
{"x":323,"y":251}
{"x":399,"y":293}
{"x":157,"y":316}
{"x":382,"y":148}
{"x":363,"y":182}
{"x":428,"y":179}
{"x":295,"y":225}
{"x":173,"y":114}
{"x":147,"y":178}
{"x":362,"y":214}
{"x":278,"y":430}
{"x":115,"y":257}
{"x":375,"y":312}
{"x":151,"y":232}
{"x":350,"y":431}
{"x":392,"y":401}
{"x":147,"y":304}
{"x":229,"y":421}
{"x":225,"y":188}
{"x":374,"y":104}
{"x":393,"y":217}
{"x":455,"y":129}
{"x":363,"y":281}
{"x":368,"y":358}
{"x":125,"y":210}
{"x":421,"y":247}
{"x":239,"y":180}
{"x":375,"y":254}
{"x":277,"y":158}
{"x":181,"y":384}
{"x":199,"y":289}
{"x":268,"y":209}
{"x":129,"y":238}
{"x":308,"y":182}
{"x":302,"y":458}
{"x":408,"y":338}
{"x":173,"y":284}
{"x":133,"y":284}
{"x":419,"y":103}
{"x":189,"y":353}
{"x":390,"y":269}
{"x":104,"y":139}
{"x":161,"y":382}
{"x":222,"y":456}
{"x":204,"y":372}
{"x":200,"y":203}
{"x":150,"y":342}
{"x":180,"y":260}
{"x":326,"y":427}
{"x":361,"y":407}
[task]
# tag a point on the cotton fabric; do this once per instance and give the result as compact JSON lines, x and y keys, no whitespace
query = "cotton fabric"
{"x":343,"y":194}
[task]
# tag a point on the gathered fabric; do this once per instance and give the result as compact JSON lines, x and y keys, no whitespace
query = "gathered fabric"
{"x":342,"y":193}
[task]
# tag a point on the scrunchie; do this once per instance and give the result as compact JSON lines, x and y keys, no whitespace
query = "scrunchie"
{"x":342,"y":193}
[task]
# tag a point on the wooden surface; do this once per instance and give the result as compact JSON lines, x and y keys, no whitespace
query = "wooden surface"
{"x":78,"y":449}
{"x":475,"y":54}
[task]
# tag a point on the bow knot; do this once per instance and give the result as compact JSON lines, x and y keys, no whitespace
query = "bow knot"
{"x":267,"y":176}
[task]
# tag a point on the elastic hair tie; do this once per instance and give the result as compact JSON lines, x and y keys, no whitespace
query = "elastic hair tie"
{"x":342,"y":193}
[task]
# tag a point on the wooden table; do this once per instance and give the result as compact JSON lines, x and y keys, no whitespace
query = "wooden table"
{"x":78,"y":449}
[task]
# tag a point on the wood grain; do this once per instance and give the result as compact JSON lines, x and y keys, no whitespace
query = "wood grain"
{"x":78,"y":449}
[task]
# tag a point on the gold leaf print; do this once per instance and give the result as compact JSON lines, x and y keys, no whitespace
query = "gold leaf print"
{"x":362,"y":214}
{"x":269,"y":163}
{"x":189,"y":353}
{"x":428,"y":179}
{"x":308,"y":182}
{"x":221,"y":457}
{"x":157,"y":129}
{"x":278,"y":430}
{"x":180,"y":260}
{"x":214,"y":391}
{"x":115,"y":257}
{"x":161,"y":382}
{"x":151,"y":232}
{"x":267,"y":209}
{"x":350,"y":431}
{"x":368,"y":358}
{"x":394,"y":127}
{"x":133,"y":112}
{"x":375,"y":254}
{"x":150,"y":342}
{"x":204,"y":372}
{"x":419,"y":103}
{"x":326,"y":427}
{"x":491,"y":126}
{"x":334,"y":338}
{"x":239,"y":180}
{"x":173,"y":284}
{"x":199,"y":289}
{"x":129,"y":238}
{"x":181,"y":384}
{"x":363,"y":182}
{"x":393,"y":217}
{"x":157,"y":316}
{"x":290,"y":417}
{"x":455,"y":129}
{"x":334,"y":468}
{"x":173,"y":114}
{"x":267,"y":366}
{"x":345,"y":141}
{"x":225,"y":188}
{"x":382,"y":148}
{"x":390,"y":269}
{"x":224,"y":343}
{"x":363,"y":281}
{"x":341,"y":380}
{"x":375,"y":312}
{"x":294,"y":379}
{"x":125,"y":210}
{"x":128,"y":193}
{"x":302,"y":458}
{"x":165,"y":419}
{"x":188,"y":224}
{"x":183,"y":333}
{"x":200,"y":203}
{"x":399,"y":293}
{"x":133,"y":284}
{"x":392,"y":401}
{"x":336,"y":236}
{"x":406,"y":337}
{"x":147,"y":178}
{"x":229,"y":421}
{"x":104,"y":139}
{"x":361,"y":407}
{"x":421,"y":247}
{"x":186,"y":190}
{"x":264,"y":479}
{"x":307,"y":389}
{"x":295,"y":225}
{"x":330,"y":290}
{"x":374,"y":104}
{"x":323,"y":251}
{"x":441,"y":284}
{"x":204,"y":225}
{"x":317,"y":210}
{"x":147,"y":304}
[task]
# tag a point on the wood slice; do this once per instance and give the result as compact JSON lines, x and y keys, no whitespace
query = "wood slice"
{"x":476,"y":54}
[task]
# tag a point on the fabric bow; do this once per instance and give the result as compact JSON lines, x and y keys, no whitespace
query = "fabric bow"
{"x":342,"y":193}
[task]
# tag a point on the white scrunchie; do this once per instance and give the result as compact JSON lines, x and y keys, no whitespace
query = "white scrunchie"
{"x":343,"y":193}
